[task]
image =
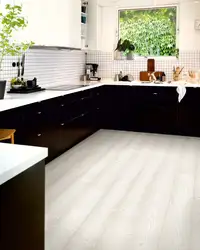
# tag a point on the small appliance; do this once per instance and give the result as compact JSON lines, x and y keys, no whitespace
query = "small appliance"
{"x":91,"y":72}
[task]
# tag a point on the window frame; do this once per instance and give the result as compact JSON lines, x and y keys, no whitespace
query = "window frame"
{"x":177,"y":6}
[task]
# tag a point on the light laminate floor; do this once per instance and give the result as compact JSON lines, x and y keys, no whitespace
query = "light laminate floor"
{"x":125,"y":191}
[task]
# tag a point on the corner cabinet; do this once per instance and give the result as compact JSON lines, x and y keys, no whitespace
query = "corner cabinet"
{"x":52,"y":22}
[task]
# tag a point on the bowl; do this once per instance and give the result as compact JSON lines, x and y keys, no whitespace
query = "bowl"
{"x":16,"y":86}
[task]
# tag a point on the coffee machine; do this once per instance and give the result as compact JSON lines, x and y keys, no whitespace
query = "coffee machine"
{"x":91,"y":72}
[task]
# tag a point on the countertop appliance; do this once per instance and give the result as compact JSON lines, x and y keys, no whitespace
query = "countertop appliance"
{"x":91,"y":72}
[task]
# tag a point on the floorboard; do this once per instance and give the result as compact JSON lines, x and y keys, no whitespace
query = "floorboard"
{"x":125,"y":190}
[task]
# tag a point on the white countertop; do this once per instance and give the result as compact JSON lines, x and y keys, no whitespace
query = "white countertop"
{"x":17,"y":100}
{"x":14,"y":159}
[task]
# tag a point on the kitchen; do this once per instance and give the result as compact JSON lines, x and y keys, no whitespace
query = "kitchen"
{"x":114,"y":164}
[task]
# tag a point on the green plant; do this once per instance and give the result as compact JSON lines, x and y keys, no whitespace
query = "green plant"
{"x":152,"y":31}
{"x":126,"y":46}
{"x":177,"y":51}
{"x":119,"y":46}
{"x":17,"y":81}
{"x":11,"y":22}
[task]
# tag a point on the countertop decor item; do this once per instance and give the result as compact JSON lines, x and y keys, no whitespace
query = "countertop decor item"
{"x":118,"y":50}
{"x":11,"y":21}
{"x":2,"y":89}
{"x":177,"y":73}
{"x":127,"y":47}
{"x":17,"y":83}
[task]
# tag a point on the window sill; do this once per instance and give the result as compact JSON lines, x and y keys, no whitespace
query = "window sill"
{"x":157,"y":58}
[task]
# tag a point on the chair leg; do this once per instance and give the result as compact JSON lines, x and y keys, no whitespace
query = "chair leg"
{"x":12,"y":139}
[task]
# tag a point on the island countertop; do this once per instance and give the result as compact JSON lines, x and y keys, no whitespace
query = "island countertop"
{"x":18,"y":100}
{"x":14,"y":159}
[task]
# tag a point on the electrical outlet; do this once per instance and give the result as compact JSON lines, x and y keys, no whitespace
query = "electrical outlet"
{"x":197,"y":24}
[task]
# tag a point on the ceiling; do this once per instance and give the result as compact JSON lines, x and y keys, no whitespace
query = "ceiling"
{"x":132,"y":3}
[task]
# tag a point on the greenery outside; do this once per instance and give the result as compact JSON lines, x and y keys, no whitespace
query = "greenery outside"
{"x":152,"y":31}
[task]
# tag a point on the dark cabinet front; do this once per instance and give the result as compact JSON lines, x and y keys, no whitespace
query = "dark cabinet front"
{"x":189,"y":114}
{"x":155,"y":110}
{"x":142,"y":109}
{"x":60,"y":123}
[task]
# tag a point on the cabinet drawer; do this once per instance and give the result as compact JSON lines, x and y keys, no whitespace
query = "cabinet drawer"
{"x":157,"y":95}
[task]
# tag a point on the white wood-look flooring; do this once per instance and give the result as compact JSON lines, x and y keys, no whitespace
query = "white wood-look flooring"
{"x":125,"y":191}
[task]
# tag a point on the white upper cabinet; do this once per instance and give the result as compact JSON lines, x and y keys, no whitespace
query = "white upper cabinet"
{"x":94,"y":25}
{"x":52,"y":22}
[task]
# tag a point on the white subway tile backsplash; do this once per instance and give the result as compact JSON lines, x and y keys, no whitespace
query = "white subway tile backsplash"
{"x":108,"y":67}
{"x":54,"y":67}
{"x":50,"y":67}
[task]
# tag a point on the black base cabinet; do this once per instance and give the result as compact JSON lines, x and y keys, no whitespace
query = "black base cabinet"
{"x":142,"y":109}
{"x":62,"y":122}
{"x":22,"y":210}
{"x":58,"y":123}
{"x":155,"y":110}
{"x":189,"y":114}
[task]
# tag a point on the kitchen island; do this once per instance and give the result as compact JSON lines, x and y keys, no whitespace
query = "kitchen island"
{"x":22,"y":197}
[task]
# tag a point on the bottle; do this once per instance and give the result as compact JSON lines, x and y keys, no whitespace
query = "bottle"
{"x":163,"y":77}
{"x":120,"y":76}
{"x":160,"y":77}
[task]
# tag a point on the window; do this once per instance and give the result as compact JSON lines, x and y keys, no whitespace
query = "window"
{"x":152,"y":31}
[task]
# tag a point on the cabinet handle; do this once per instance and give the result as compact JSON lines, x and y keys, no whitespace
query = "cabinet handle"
{"x":62,"y":105}
{"x":39,"y":135}
{"x":155,"y":93}
{"x":62,"y":124}
{"x":39,"y":113}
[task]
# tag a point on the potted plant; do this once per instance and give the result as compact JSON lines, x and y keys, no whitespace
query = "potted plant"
{"x":128,"y":49}
{"x":118,"y":50}
{"x":11,"y":22}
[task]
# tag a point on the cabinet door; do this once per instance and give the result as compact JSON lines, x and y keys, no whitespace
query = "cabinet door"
{"x":115,"y":107}
{"x":188,"y":113}
{"x":52,"y":23}
{"x":155,"y":109}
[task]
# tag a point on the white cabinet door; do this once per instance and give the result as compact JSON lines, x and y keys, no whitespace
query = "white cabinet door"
{"x":52,"y":22}
{"x":66,"y":22}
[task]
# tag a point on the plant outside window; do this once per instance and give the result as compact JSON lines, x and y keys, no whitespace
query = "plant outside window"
{"x":152,"y":31}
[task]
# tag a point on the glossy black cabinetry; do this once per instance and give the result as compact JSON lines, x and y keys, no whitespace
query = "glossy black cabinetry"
{"x":60,"y":123}
{"x":189,"y":114}
{"x":144,"y":109}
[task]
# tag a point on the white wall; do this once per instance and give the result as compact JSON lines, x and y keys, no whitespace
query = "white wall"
{"x":189,"y":38}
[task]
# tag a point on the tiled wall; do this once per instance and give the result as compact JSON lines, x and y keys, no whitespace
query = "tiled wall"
{"x":108,"y":67}
{"x":51,"y":67}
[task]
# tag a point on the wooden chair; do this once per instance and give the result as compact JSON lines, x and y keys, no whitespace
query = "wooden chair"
{"x":7,"y":134}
